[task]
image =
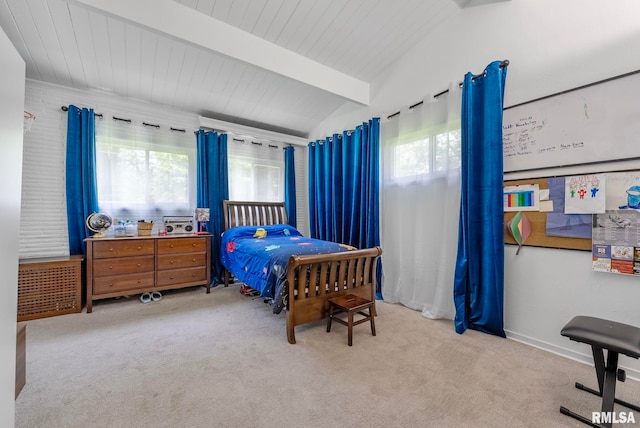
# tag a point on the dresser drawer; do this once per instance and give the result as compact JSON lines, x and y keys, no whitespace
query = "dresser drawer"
{"x":114,"y":266}
{"x":184,"y":260}
{"x":177,"y":276}
{"x":112,"y":284}
{"x":126,"y":248}
{"x":181,"y":245}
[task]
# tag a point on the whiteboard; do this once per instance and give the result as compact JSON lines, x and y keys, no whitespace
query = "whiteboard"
{"x":594,"y":123}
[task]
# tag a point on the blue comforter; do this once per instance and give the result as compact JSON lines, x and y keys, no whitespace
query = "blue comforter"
{"x":258,"y":256}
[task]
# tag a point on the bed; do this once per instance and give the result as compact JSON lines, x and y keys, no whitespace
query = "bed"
{"x":300,"y":274}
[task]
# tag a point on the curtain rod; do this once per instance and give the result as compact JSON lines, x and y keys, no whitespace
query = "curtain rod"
{"x":65,"y":108}
{"x":503,"y":64}
{"x":153,"y":125}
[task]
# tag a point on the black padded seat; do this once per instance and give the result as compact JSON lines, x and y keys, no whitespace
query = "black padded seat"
{"x":611,"y":335}
{"x":617,"y":339}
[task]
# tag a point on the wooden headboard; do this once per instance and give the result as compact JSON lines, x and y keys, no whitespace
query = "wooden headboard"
{"x":240,"y":213}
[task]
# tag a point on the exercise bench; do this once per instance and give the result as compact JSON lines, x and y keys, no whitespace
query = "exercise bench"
{"x":617,"y":339}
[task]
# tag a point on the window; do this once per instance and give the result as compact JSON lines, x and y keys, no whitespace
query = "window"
{"x":144,"y":173}
{"x":252,"y":179}
{"x":430,"y":155}
{"x":256,"y":173}
{"x":425,"y":140}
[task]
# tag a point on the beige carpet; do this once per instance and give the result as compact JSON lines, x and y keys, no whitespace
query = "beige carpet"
{"x":222,"y":360}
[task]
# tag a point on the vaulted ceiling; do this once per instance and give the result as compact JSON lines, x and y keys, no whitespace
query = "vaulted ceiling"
{"x":281,"y":65}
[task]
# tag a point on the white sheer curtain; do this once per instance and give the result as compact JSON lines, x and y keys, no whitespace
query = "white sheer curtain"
{"x":256,"y":170}
{"x":144,"y":172}
{"x":420,"y":200}
{"x":256,"y":173}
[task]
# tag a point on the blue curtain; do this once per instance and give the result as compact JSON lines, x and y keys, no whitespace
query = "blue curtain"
{"x":479,"y":275}
{"x":344,"y":181}
{"x":81,"y":184}
{"x":213,"y":188}
{"x":290,"y":185}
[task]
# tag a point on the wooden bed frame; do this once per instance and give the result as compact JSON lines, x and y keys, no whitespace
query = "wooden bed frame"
{"x":312,"y":279}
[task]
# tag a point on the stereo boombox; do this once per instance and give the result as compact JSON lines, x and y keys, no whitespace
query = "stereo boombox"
{"x":177,"y":225}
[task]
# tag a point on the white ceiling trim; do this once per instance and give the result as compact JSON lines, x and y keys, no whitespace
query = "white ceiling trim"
{"x":186,"y":24}
{"x":251,"y":132}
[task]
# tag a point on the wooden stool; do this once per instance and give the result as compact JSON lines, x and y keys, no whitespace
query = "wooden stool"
{"x":351,"y":304}
{"x":616,"y":338}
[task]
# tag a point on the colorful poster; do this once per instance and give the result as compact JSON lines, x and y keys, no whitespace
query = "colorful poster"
{"x":584,"y":194}
{"x":522,"y":198}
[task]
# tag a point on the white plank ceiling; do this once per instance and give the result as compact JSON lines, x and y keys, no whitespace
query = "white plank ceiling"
{"x":281,"y":65}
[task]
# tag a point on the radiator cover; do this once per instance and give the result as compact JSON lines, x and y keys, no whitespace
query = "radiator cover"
{"x":49,"y":287}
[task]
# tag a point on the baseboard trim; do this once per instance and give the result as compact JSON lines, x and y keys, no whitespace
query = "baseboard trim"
{"x":564,"y":352}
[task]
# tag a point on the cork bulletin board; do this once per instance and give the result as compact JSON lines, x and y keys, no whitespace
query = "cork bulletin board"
{"x":538,"y":220}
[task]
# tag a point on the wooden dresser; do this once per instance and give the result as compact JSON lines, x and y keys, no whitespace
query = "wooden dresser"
{"x":135,"y":265}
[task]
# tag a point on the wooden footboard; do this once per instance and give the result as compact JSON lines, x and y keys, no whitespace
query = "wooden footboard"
{"x":314,"y":279}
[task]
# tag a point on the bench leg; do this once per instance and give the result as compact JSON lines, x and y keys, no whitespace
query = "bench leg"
{"x":581,"y":418}
{"x":609,"y":385}
{"x":598,"y":361}
{"x":594,"y":392}
{"x":607,"y":376}
{"x":602,"y":373}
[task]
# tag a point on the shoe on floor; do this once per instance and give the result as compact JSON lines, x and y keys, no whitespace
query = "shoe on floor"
{"x":145,"y":297}
{"x":156,"y":296}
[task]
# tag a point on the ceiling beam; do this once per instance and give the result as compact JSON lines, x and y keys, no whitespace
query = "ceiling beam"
{"x":251,"y":132}
{"x":183,"y":23}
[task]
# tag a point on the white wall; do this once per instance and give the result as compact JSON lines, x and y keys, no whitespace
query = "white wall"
{"x":552,"y":46}
{"x":11,"y":125}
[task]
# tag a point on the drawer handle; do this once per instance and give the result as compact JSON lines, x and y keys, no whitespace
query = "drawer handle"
{"x":172,"y":261}
{"x":194,"y":244}
{"x":139,"y":281}
{"x":193,"y":260}
{"x":171,"y":277}
{"x":111,"y":249}
{"x":110,"y":266}
{"x":139,"y":247}
{"x":171,"y":245}
{"x":193,"y":274}
{"x":139,"y":265}
{"x":111,"y":284}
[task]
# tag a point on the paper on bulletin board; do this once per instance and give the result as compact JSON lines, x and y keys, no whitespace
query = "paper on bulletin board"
{"x":546,"y":206}
{"x":564,"y":225}
{"x":544,"y":194}
{"x":585,"y":194}
{"x":616,"y":233}
{"x":615,"y":242}
{"x":623,"y":190}
{"x":524,"y":197}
